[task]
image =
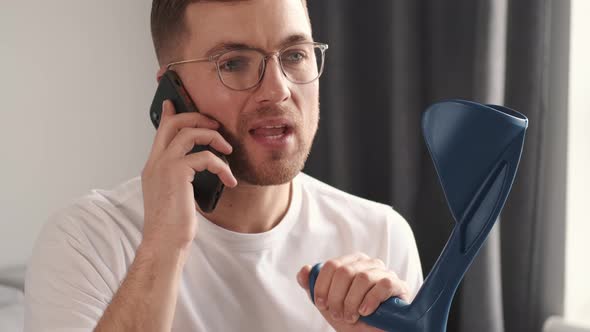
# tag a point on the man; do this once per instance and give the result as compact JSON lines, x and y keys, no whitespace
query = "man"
{"x":138,"y":257}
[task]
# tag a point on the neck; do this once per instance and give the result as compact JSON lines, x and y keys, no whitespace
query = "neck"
{"x":251,"y":209}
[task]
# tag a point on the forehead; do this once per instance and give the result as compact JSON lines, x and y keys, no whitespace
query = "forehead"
{"x":258,"y":23}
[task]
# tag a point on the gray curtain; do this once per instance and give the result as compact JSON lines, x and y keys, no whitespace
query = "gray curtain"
{"x":388,"y":60}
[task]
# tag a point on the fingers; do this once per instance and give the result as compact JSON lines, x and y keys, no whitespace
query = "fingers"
{"x":324,"y":280}
{"x":177,"y":135}
{"x":344,"y":277}
{"x":353,"y":285}
{"x":344,"y":300}
{"x":206,"y":160}
{"x":385,"y":287}
{"x":171,"y":124}
{"x":187,"y":138}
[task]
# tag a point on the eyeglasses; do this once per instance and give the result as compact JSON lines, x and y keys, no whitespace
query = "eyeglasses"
{"x":244,"y":68}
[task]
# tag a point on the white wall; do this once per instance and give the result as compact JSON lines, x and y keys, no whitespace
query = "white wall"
{"x":577,"y":295}
{"x":77,"y":78}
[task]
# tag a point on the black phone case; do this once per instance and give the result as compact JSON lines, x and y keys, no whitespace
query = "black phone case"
{"x":207,"y":187}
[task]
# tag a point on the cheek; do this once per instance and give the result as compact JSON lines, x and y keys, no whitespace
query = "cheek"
{"x":309,"y":106}
{"x":312,"y":123}
{"x":216,"y":101}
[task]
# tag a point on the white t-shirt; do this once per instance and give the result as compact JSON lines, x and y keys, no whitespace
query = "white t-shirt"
{"x":231,"y":281}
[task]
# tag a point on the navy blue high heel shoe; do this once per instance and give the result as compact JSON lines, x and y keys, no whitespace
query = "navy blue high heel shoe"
{"x":476,"y":149}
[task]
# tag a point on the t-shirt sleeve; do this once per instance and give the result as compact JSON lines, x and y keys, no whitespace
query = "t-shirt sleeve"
{"x":67,"y":286}
{"x":403,"y":257}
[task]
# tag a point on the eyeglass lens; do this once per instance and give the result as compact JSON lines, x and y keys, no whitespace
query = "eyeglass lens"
{"x":243,"y":69}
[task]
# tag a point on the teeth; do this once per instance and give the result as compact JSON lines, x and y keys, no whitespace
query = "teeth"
{"x":273,"y":126}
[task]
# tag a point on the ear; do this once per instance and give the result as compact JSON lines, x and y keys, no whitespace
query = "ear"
{"x":160,"y":73}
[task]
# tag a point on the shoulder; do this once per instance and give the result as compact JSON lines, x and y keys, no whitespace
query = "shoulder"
{"x":101,"y":210}
{"x":81,"y":256}
{"x":100,"y":226}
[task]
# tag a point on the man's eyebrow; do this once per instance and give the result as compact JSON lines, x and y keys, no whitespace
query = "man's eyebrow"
{"x":296,"y":38}
{"x":228,"y":46}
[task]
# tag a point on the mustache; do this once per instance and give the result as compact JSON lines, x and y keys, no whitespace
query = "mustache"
{"x":269,"y":112}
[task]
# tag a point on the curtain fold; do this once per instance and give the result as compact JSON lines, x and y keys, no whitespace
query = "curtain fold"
{"x":483,"y":279}
{"x":533,"y":234}
{"x":388,"y":60}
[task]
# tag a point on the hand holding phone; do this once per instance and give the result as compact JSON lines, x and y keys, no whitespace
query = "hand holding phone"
{"x":207,"y":187}
{"x":169,"y":182}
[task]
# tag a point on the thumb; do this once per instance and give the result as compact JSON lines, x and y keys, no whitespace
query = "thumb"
{"x":303,"y":277}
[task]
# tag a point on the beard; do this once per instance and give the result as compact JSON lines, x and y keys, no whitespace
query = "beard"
{"x":280,"y":166}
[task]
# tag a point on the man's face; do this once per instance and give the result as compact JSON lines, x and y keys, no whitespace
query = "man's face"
{"x":261,"y":155}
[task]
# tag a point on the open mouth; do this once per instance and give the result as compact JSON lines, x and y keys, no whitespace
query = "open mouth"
{"x":272,"y":132}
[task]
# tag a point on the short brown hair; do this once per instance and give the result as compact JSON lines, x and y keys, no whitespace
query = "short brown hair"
{"x":169,"y":28}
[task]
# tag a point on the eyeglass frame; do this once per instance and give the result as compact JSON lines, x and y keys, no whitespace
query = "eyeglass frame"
{"x":215,"y":59}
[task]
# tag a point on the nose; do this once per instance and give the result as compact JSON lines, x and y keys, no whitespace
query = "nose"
{"x":274,"y":87}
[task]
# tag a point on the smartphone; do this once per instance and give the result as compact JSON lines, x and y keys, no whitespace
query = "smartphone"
{"x":207,"y":187}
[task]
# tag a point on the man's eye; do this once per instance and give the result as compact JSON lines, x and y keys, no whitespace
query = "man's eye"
{"x":233,"y":65}
{"x":294,"y":56}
